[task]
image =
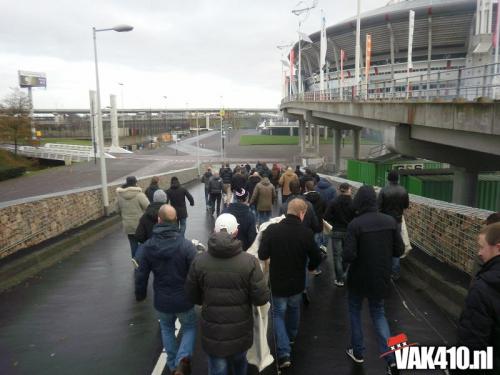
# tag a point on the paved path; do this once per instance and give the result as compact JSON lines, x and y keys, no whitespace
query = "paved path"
{"x":81,"y":317}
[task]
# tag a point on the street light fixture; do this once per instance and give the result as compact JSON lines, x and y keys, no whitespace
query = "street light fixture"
{"x":102,"y":158}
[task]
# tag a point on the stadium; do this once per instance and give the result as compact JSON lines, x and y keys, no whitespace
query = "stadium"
{"x":446,"y":37}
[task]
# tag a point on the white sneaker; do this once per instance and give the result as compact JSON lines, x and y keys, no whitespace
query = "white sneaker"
{"x":339,"y":283}
{"x":323,"y":249}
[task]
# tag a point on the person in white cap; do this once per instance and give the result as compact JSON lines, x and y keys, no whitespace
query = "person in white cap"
{"x":226,"y":281}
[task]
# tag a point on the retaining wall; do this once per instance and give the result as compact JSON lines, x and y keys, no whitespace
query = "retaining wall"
{"x":31,"y":221}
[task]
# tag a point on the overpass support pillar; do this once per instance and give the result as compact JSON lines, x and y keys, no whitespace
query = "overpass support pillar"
{"x":464,"y":187}
{"x":316,"y":141}
{"x":310,"y":140}
{"x":291,"y":131}
{"x":356,"y":136}
{"x":336,"y":150}
{"x":302,"y":135}
{"x":325,"y":132}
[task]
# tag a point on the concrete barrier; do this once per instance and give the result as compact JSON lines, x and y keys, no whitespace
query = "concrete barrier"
{"x":31,"y":221}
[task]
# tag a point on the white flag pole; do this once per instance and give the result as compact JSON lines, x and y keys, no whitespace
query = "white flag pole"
{"x":322,"y":54}
{"x":358,"y":48}
{"x":411,"y":26}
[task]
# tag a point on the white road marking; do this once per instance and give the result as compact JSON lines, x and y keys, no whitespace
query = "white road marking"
{"x":162,"y":359}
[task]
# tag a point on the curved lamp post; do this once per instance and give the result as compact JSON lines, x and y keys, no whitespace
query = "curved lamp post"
{"x":102,"y":159}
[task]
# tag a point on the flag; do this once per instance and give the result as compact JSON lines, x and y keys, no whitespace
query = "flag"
{"x":322,"y":55}
{"x":304,"y":37}
{"x":292,"y":62}
{"x":368,"y":56}
{"x":411,"y":26}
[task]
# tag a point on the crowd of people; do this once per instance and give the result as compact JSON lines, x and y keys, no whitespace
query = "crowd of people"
{"x":253,"y":259}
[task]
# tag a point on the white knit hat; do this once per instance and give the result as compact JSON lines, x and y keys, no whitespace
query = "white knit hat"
{"x":159,"y":196}
{"x":227,"y":222}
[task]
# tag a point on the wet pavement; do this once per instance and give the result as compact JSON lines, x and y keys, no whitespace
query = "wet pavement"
{"x":81,"y":317}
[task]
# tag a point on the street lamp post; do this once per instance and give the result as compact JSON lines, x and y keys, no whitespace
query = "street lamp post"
{"x":102,"y":158}
{"x":123,"y":105}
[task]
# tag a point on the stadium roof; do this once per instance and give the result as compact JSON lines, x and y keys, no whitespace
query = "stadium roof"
{"x":452,"y":25}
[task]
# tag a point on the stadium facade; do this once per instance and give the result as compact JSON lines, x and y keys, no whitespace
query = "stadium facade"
{"x":448,"y":35}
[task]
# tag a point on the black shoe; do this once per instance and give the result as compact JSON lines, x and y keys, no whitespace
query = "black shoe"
{"x":184,"y":367}
{"x":284,"y":362}
{"x":305,"y":299}
{"x":357,"y":359}
{"x":392,"y":369}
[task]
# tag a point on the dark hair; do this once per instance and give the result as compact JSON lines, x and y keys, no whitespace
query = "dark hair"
{"x":393,"y":175}
{"x":174,"y":182}
{"x":130,"y":181}
{"x":344,"y":186}
{"x":294,"y":187}
{"x":491,"y":233}
{"x":493,"y":218}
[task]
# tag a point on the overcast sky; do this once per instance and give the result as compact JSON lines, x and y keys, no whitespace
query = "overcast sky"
{"x":192,"y":51}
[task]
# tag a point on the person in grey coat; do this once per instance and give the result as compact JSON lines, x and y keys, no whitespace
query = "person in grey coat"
{"x":226,"y":281}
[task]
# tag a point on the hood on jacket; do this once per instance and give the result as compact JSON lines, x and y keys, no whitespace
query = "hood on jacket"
{"x":165,"y":240}
{"x":323,"y":184}
{"x":312,"y":196}
{"x":128,"y":192}
{"x":365,"y":200}
{"x":254,"y":179}
{"x":238,"y":209}
{"x":223,"y":245}
{"x":174,"y":183}
{"x":265,"y":181}
{"x":289,"y":173}
{"x":490,"y":273}
{"x":152,"y":210}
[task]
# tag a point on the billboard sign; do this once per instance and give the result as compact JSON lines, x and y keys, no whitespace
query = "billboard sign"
{"x":32,"y":79}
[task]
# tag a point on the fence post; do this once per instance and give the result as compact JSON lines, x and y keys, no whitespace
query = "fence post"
{"x":438,"y":85}
{"x":459,"y":82}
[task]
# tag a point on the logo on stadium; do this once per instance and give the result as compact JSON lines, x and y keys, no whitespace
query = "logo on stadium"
{"x":410,"y":356}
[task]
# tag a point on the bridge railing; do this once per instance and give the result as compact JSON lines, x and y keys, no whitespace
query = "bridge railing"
{"x":464,"y":84}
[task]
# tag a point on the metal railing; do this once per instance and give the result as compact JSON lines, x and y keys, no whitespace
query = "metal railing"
{"x":54,"y":153}
{"x":464,"y":84}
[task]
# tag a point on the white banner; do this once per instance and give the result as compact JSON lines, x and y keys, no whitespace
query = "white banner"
{"x":305,"y":37}
{"x":411,"y":26}
{"x":322,"y":55}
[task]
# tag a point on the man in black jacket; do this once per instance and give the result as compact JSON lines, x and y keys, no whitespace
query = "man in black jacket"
{"x":177,"y":196}
{"x":226,"y":174}
{"x":168,"y":255}
{"x":245,"y":218}
{"x":226,"y":281}
{"x":393,"y":200}
{"x":288,"y":244}
{"x":205,"y":179}
{"x":373,"y":239}
{"x":215,"y":187}
{"x":339,"y":214}
{"x":479,"y":324}
{"x":150,"y":218}
{"x":310,"y":220}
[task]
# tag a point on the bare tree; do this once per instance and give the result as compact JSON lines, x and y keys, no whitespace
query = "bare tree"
{"x":15,"y":124}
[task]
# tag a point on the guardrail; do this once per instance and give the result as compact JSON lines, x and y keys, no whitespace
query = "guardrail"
{"x":52,"y":153}
{"x":464,"y":84}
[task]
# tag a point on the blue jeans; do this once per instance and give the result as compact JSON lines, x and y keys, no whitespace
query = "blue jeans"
{"x":264,"y":216}
{"x":134,"y":244}
{"x":321,"y":239}
{"x":188,"y":327}
{"x":237,"y":363}
{"x":286,"y":318}
{"x":182,"y":226}
{"x":207,"y":196}
{"x":338,"y":238}
{"x":377,"y":314}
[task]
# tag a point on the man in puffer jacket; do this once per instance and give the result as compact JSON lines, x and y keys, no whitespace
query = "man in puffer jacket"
{"x":168,"y":255}
{"x":131,"y":204}
{"x":150,"y":218}
{"x":326,"y":190}
{"x":479,"y":324}
{"x":215,"y":187}
{"x":226,"y":317}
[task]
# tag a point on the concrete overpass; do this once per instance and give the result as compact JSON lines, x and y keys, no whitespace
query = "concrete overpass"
{"x":463,"y":133}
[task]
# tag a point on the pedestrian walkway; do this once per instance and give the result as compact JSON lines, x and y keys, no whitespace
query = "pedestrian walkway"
{"x":81,"y":317}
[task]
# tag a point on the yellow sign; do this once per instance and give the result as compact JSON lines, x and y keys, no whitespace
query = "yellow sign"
{"x":222,"y":113}
{"x":38,"y":133}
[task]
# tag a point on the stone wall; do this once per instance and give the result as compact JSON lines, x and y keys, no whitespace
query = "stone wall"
{"x":446,"y":231}
{"x":28,"y":222}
